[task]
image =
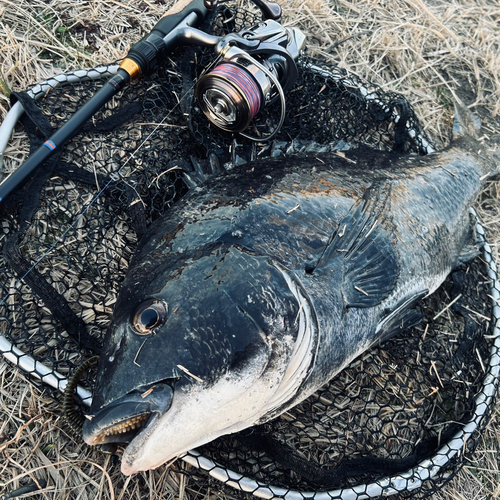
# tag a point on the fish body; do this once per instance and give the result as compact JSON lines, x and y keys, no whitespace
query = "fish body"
{"x":257,"y":288}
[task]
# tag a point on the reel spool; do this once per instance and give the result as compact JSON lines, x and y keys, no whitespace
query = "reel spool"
{"x":235,"y":91}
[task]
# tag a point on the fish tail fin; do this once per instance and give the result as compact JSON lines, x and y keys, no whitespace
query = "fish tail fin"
{"x":465,"y":122}
{"x":467,"y":125}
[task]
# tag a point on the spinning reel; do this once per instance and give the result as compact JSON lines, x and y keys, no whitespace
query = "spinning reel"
{"x":257,"y":68}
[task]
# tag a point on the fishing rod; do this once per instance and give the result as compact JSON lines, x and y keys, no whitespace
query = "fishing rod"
{"x":142,"y":57}
{"x":257,"y":66}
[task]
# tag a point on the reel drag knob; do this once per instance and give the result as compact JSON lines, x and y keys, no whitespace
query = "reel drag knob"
{"x":232,"y":94}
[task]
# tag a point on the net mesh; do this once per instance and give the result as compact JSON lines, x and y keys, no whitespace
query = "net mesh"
{"x":394,"y":408}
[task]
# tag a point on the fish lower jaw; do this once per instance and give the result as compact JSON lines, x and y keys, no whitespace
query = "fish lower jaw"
{"x":133,"y":462}
{"x":130,"y":466}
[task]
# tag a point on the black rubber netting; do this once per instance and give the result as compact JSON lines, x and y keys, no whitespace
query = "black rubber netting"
{"x":392,"y":408}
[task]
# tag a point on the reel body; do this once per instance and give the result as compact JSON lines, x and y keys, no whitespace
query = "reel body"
{"x":257,"y":68}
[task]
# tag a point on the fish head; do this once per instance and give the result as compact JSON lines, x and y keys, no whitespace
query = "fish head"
{"x":203,"y":344}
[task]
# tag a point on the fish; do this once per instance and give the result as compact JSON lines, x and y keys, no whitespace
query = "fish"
{"x":262,"y":284}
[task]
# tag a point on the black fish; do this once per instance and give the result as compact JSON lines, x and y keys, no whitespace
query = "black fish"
{"x":258,"y":288}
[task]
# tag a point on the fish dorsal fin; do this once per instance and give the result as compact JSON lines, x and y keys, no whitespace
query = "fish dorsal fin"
{"x":362,"y":250}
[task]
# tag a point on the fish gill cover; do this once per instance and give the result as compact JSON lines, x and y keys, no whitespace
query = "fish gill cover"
{"x":392,"y":408}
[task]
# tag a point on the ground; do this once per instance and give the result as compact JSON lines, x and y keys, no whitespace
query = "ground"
{"x":431,"y":51}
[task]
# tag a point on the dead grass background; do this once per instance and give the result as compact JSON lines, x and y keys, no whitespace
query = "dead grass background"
{"x":430,"y":51}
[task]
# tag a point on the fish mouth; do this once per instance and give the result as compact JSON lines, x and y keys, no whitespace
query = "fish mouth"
{"x":127,"y":417}
{"x":121,"y":432}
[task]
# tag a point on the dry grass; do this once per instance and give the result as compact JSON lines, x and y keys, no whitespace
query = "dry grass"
{"x":431,"y":51}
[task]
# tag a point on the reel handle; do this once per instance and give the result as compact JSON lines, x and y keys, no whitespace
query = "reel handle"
{"x":178,"y":12}
{"x":270,"y":10}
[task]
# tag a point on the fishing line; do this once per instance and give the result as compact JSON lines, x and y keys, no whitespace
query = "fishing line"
{"x":111,"y":180}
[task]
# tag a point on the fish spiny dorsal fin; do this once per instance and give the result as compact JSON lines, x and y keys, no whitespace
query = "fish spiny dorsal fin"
{"x":465,"y":122}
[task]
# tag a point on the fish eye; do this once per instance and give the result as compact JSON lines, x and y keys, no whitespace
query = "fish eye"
{"x":148,"y":315}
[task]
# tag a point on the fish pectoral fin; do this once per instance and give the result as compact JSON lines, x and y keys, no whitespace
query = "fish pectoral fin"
{"x":363,"y":250}
{"x":400,"y":319}
{"x":371,"y":273}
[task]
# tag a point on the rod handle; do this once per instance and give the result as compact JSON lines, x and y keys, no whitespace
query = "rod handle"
{"x":145,"y":54}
